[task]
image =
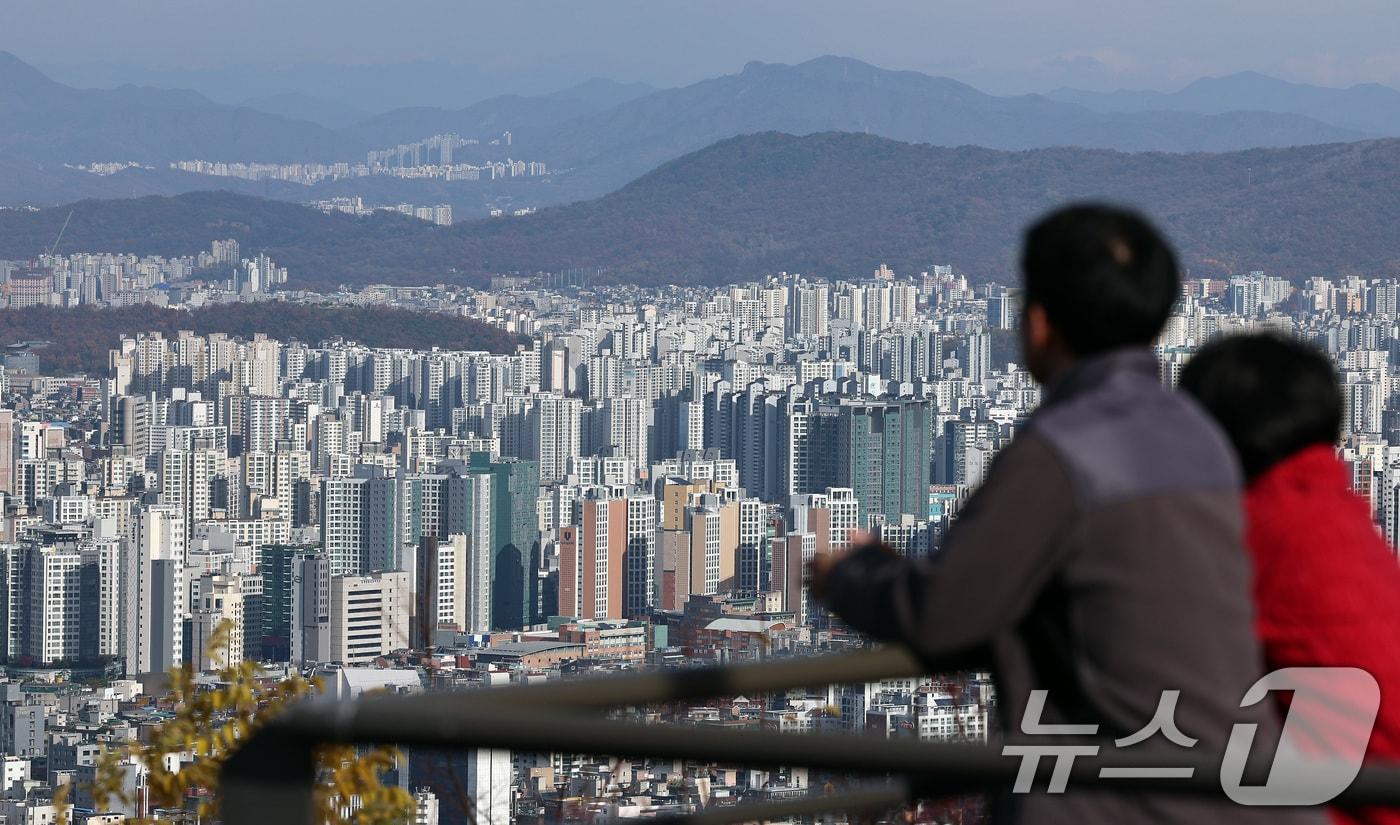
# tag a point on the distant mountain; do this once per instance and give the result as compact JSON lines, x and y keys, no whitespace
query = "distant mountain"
{"x":603,"y":93}
{"x":839,"y":204}
{"x":1368,"y":107}
{"x":608,"y":148}
{"x":47,"y":122}
{"x":324,"y":111}
{"x":598,"y":135}
{"x":488,"y":118}
{"x":515,"y":113}
{"x":828,"y":204}
{"x":374,"y":87}
{"x":23,"y":83}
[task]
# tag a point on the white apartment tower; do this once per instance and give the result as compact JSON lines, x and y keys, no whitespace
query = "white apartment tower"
{"x":488,"y":784}
{"x":155,"y":576}
{"x":641,"y":585}
{"x":442,"y":585}
{"x":627,"y":421}
{"x":51,"y":630}
{"x":554,"y":434}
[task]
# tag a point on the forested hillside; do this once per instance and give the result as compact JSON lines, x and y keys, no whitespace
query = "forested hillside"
{"x":832,"y":204}
{"x":80,"y":338}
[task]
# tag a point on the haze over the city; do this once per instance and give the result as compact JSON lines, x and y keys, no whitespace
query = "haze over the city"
{"x":482,"y":49}
{"x":682,"y":412}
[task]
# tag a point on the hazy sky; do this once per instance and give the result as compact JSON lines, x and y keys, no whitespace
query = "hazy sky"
{"x":999,"y":45}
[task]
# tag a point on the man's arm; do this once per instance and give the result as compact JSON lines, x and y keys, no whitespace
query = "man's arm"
{"x":992,"y":565}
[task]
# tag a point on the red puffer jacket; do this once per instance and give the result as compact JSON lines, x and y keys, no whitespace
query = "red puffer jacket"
{"x":1327,"y":587}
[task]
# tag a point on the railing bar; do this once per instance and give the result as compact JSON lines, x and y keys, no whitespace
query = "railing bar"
{"x":545,"y":718}
{"x":1378,"y":783}
{"x":530,"y":730}
{"x":270,"y":781}
{"x":859,"y":799}
{"x":658,"y":687}
{"x":956,"y":764}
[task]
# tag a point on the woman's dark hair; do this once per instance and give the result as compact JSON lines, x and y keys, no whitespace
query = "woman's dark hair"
{"x":1105,"y":277}
{"x":1272,"y":395}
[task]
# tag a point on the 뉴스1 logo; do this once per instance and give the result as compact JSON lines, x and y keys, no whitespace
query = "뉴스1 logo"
{"x":1320,"y":750}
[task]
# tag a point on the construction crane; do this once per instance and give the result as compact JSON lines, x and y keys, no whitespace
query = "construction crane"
{"x":61,"y":230}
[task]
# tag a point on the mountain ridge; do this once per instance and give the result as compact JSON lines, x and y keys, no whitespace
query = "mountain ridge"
{"x":608,"y":148}
{"x":1367,"y":107}
{"x":49,"y":122}
{"x":328,"y":112}
{"x":829,"y":204}
{"x":597,"y":135}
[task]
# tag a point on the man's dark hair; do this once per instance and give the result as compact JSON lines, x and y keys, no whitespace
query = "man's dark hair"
{"x":1272,"y":395}
{"x":1104,"y":275}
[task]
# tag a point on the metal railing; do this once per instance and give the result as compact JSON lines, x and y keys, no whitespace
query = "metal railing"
{"x":270,"y":780}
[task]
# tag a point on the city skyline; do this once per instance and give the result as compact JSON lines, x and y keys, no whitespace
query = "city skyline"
{"x":563,"y":413}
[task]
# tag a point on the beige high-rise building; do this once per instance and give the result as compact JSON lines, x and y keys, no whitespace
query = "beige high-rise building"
{"x":701,"y":555}
{"x":220,"y":601}
{"x":369,"y":616}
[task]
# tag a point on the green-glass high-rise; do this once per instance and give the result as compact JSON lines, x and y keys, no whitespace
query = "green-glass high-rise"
{"x":878,"y":448}
{"x":515,"y":488}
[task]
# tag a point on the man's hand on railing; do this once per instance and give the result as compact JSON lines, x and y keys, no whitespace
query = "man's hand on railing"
{"x":819,"y":572}
{"x":820,"y":568}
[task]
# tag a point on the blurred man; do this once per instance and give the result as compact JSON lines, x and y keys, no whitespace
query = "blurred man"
{"x":1326,"y":584}
{"x":1102,"y":559}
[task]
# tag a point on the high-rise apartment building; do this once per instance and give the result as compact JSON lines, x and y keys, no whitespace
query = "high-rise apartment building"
{"x":281,"y":568}
{"x":453,"y":587}
{"x":7,"y":450}
{"x":219,"y":608}
{"x":155,"y":583}
{"x":607,"y":562}
{"x":791,"y":554}
{"x":554,"y":430}
{"x":362,"y":521}
{"x":880,"y":449}
{"x":591,"y":559}
{"x":57,"y":611}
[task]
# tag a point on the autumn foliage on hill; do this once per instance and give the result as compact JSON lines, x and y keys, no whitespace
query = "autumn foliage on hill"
{"x":81,"y":337}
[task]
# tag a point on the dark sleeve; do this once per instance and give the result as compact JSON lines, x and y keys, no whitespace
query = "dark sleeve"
{"x":996,"y":557}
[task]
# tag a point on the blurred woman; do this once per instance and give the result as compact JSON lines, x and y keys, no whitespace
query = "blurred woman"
{"x":1327,"y":584}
